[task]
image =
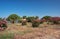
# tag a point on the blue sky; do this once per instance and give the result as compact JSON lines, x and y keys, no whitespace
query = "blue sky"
{"x":30,"y":7}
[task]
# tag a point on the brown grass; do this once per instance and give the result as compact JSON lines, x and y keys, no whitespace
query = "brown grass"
{"x":27,"y":32}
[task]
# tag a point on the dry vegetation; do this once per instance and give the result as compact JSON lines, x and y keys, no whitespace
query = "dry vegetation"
{"x":44,"y":31}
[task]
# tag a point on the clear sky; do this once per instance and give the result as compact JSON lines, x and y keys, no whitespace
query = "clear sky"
{"x":30,"y":7}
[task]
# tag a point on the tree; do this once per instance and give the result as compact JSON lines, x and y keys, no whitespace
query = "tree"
{"x":30,"y":18}
{"x":24,"y":17}
{"x":36,"y":17}
{"x":13,"y":18}
{"x":46,"y":17}
{"x":36,"y":22}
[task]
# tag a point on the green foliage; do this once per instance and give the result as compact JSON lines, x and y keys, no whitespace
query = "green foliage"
{"x":30,"y":18}
{"x":7,"y":36}
{"x":13,"y":17}
{"x":36,"y":17}
{"x":24,"y":17}
{"x":46,"y":17}
{"x":35,"y":23}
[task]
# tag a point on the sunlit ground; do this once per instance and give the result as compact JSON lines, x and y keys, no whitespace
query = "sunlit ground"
{"x":17,"y":31}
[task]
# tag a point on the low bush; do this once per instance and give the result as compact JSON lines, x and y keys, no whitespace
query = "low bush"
{"x":3,"y":25}
{"x":35,"y":23}
{"x":55,"y":20}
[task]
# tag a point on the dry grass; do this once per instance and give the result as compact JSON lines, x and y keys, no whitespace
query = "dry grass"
{"x":17,"y":31}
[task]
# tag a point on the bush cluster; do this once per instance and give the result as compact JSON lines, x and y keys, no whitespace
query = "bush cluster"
{"x":55,"y":20}
{"x":35,"y":23}
{"x":3,"y":25}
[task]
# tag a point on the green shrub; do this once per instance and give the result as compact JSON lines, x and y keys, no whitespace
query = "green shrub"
{"x":35,"y":23}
